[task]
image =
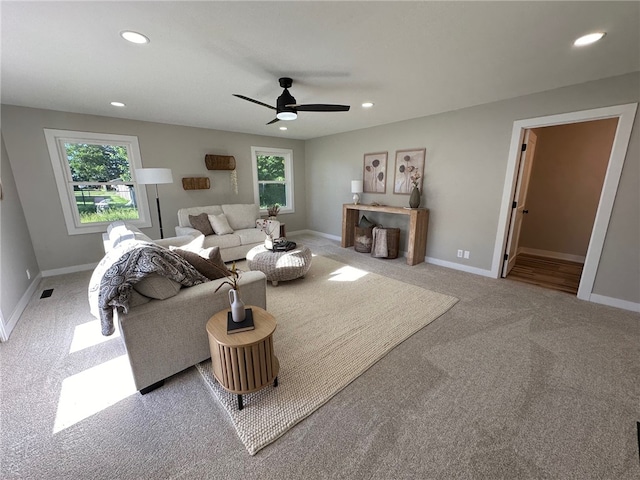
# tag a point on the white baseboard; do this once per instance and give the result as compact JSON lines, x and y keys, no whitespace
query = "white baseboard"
{"x":614,"y":302}
{"x":65,"y":270}
{"x":320,"y":234}
{"x":549,"y":254}
{"x":22,"y":304}
{"x":459,"y":266}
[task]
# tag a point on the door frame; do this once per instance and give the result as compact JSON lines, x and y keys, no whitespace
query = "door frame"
{"x":626,"y":115}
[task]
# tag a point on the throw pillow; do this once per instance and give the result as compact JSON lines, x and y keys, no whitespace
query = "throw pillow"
{"x":366,"y":223}
{"x":137,"y":299}
{"x":220,"y":224}
{"x":157,"y":286}
{"x":207,"y":261}
{"x":201,"y":223}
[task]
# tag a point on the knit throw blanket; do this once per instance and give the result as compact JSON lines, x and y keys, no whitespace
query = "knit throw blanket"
{"x":379,"y":246}
{"x":113,"y":279}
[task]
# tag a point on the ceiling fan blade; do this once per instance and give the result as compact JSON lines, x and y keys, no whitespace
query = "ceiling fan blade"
{"x":320,"y":107}
{"x":253,"y":101}
{"x":273,"y":121}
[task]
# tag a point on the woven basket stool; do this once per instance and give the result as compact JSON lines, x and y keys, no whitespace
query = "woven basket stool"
{"x":280,"y":266}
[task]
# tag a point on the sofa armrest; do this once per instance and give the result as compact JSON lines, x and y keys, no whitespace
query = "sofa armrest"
{"x":163,"y":337}
{"x":181,"y":231}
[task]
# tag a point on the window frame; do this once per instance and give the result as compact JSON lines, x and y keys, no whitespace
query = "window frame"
{"x":287,"y":154}
{"x":57,"y":153}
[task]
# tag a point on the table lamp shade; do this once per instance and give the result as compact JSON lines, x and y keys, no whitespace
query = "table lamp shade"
{"x":150,"y":176}
{"x":356,"y":186}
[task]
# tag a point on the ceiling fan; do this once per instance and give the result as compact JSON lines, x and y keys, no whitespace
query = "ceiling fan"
{"x":287,"y":108}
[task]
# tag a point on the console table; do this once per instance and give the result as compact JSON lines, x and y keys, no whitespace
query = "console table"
{"x":418,"y":221}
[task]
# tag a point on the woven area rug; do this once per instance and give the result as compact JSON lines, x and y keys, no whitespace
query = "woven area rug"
{"x":332,"y":326}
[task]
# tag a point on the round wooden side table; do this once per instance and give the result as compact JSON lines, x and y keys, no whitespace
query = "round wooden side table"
{"x":243,"y":362}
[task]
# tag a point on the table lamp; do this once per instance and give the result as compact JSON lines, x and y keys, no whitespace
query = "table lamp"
{"x":356,"y":189}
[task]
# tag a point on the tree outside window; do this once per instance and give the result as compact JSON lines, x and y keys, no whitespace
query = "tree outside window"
{"x":102,"y":184}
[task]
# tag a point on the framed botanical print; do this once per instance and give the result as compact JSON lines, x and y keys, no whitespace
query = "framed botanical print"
{"x":375,"y":172}
{"x":409,"y":170}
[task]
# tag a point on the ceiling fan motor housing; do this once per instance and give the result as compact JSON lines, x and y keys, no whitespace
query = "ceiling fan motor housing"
{"x":285,"y":99}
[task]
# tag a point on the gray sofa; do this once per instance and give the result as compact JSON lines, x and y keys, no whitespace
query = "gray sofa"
{"x":165,"y":336}
{"x":242,"y":220}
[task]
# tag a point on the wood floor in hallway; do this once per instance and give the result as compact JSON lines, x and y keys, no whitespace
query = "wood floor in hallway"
{"x":552,"y":273}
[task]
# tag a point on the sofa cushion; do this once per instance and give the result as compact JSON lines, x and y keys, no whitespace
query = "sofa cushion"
{"x":241,"y":215}
{"x":157,"y":286}
{"x":250,"y":235}
{"x":220,"y":224}
{"x":183,"y":213}
{"x":222,"y":241}
{"x":207,"y":261}
{"x":201,"y":223}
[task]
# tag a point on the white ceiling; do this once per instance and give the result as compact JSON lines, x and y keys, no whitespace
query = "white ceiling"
{"x":411,"y":58}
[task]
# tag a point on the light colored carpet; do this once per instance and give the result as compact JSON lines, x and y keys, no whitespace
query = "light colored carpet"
{"x":332,"y":326}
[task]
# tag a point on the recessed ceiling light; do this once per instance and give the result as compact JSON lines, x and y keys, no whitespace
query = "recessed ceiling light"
{"x":588,"y":39}
{"x":134,"y":37}
{"x":367,"y":105}
{"x":117,"y":104}
{"x":283,"y":128}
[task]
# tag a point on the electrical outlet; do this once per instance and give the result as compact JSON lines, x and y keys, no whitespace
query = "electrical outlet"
{"x":466,"y":254}
{"x":459,"y":253}
{"x":28,"y":274}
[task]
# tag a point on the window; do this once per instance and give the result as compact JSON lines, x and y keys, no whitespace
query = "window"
{"x":95,"y":179}
{"x":273,"y":178}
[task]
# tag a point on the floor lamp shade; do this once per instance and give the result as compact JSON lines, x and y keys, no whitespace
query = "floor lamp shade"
{"x":155,"y":176}
{"x":151,"y":176}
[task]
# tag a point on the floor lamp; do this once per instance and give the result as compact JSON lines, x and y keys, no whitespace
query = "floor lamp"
{"x":154,"y":176}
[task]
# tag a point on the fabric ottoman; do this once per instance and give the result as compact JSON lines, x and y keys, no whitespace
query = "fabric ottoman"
{"x":280,"y":266}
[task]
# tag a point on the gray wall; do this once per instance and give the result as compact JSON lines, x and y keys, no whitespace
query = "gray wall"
{"x":568,"y":173}
{"x":180,"y":148}
{"x":465,"y":170}
{"x":16,"y":251}
{"x":464,"y":176}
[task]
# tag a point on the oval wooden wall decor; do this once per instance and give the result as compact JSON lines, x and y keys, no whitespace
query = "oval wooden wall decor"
{"x":220,"y":162}
{"x":196,"y":183}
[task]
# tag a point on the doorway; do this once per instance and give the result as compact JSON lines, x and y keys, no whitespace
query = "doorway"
{"x":560,"y":181}
{"x":625,"y":115}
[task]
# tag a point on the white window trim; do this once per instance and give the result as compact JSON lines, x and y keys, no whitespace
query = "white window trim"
{"x":288,"y":173}
{"x":55,"y":143}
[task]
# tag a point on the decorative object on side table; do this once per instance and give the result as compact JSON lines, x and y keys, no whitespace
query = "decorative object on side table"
{"x":356,"y":189}
{"x":375,"y":172}
{"x":408,"y":162}
{"x":237,"y":306}
{"x":273,"y":211}
{"x":244,"y":326}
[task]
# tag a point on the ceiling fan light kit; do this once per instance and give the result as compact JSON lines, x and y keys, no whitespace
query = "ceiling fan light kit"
{"x":287,"y":108}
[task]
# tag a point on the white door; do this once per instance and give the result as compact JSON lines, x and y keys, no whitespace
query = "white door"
{"x":519,"y":200}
